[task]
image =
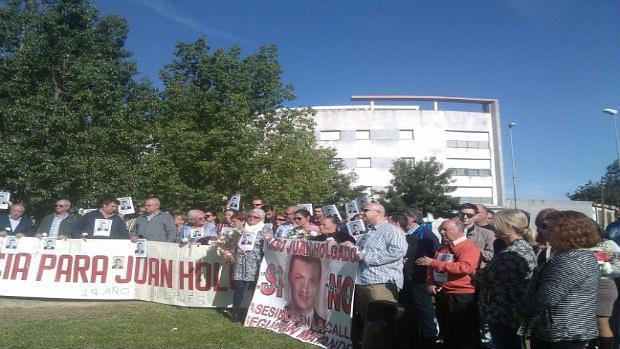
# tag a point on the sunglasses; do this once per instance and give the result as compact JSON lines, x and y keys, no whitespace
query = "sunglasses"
{"x":280,"y":219}
{"x":59,"y":205}
{"x":298,"y":218}
{"x":367,"y":209}
{"x":468,"y":215}
{"x":257,"y":205}
{"x":208,"y":215}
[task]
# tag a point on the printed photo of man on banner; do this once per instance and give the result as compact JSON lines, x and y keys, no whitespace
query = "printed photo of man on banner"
{"x":305,"y":290}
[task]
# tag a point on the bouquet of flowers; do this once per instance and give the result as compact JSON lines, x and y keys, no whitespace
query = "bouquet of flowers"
{"x":226,"y":243}
{"x":299,"y":233}
{"x":606,"y":253}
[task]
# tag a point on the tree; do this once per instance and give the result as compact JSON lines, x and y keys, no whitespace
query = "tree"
{"x":224,"y":130}
{"x":423,"y":185}
{"x":74,"y":123}
{"x":606,"y":191}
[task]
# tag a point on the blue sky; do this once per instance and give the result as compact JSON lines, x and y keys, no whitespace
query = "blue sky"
{"x":552,"y":64}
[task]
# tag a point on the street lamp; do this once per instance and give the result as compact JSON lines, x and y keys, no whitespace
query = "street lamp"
{"x":613,"y":113}
{"x":512,"y":156}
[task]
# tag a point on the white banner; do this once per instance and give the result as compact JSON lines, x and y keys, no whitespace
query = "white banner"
{"x":305,"y":290}
{"x":185,"y":275}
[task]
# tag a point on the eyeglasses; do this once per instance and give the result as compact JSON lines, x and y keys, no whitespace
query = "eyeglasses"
{"x":59,"y":205}
{"x":280,"y":219}
{"x":199,"y":218}
{"x":208,"y":215}
{"x":468,"y":215}
{"x":254,"y":217}
{"x":257,"y":205}
{"x":368,"y":209}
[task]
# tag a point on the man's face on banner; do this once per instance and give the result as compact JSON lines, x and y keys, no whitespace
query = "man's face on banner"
{"x":304,"y":280}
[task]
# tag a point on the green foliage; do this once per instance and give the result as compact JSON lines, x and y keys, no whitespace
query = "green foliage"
{"x":73,"y":120}
{"x":74,"y":123}
{"x":606,"y":191}
{"x":423,"y":185}
{"x":225,"y":130}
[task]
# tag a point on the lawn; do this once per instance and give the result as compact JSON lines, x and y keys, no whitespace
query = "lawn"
{"x":126,"y":324}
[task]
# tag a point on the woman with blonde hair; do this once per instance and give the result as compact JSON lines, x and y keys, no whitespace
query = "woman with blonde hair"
{"x":502,"y":284}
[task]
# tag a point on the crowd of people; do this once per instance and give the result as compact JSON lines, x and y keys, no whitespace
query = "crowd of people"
{"x":485,"y":280}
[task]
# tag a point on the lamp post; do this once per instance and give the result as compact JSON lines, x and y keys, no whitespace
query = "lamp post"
{"x":512,"y":157}
{"x":613,"y":113}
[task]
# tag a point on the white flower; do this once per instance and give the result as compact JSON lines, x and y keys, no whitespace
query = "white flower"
{"x":44,"y":234}
{"x":314,"y":233}
{"x":185,"y":240}
{"x":606,"y":268}
{"x":7,"y":228}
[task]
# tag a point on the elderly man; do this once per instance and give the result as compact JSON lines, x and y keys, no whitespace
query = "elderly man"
{"x":154,"y":224}
{"x":284,"y":228}
{"x":380,"y":271}
{"x":58,"y":224}
{"x":449,"y":279}
{"x":106,"y":216}
{"x":15,"y":223}
{"x":484,"y":238}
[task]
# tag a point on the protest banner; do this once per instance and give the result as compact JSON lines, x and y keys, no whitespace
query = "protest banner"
{"x":184,"y":275}
{"x":305,"y":290}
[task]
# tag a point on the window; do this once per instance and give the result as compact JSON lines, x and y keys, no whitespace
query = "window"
{"x":467,"y":144}
{"x":362,"y":134}
{"x":330,"y":135}
{"x":336,"y":162}
{"x":410,"y":161}
{"x":363,"y":163}
{"x":471,"y":172}
{"x":405,"y":134}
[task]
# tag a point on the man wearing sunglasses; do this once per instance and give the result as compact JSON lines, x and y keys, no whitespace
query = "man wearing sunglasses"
{"x":484,"y":238}
{"x":59,"y":223}
{"x":380,"y":271}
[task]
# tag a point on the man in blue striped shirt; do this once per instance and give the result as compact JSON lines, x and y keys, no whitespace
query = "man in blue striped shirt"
{"x":380,"y":272}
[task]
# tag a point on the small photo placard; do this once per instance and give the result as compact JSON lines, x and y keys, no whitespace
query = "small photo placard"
{"x":118,"y":262}
{"x":49,"y":243}
{"x":11,"y":242}
{"x":356,"y":227}
{"x":125,"y":205}
{"x":306,"y":207}
{"x":351,"y":208}
{"x":5,"y":197}
{"x":140,"y":248}
{"x":235,"y":202}
{"x":331,"y":210}
{"x":103,"y":227}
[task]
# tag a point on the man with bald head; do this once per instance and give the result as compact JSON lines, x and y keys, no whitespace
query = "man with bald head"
{"x":380,"y":270}
{"x":449,"y":279}
{"x":155,"y":225}
{"x":15,"y":223}
{"x":58,"y":224}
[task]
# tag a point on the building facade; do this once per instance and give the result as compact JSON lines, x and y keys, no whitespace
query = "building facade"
{"x":369,"y":137}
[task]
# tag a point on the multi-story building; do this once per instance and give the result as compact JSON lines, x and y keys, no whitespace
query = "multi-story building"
{"x":368,"y":138}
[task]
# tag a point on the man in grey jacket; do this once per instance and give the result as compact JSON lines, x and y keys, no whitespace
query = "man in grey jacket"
{"x":155,"y":225}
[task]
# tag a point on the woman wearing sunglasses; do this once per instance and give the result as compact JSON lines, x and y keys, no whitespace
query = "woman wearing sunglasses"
{"x":248,"y":257}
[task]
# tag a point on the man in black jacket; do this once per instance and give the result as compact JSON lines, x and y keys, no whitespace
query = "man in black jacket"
{"x":107,"y":213}
{"x":15,"y":223}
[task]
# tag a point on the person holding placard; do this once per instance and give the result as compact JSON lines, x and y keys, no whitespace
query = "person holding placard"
{"x":103,"y":223}
{"x":15,"y":223}
{"x":58,"y":224}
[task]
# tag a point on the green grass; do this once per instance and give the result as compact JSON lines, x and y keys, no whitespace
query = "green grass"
{"x":131,"y":324}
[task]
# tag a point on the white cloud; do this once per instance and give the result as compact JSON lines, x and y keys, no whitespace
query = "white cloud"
{"x":166,"y":10}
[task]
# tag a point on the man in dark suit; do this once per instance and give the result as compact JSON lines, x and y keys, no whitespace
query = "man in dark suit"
{"x":107,"y":211}
{"x":15,"y":223}
{"x":59,"y":223}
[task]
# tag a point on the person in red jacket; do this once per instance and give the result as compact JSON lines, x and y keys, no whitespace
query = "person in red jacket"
{"x":449,"y":280}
